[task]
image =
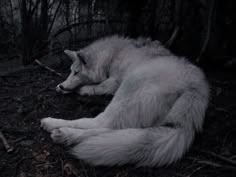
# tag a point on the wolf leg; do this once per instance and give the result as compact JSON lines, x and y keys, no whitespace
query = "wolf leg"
{"x":107,"y":87}
{"x":70,"y":136}
{"x":50,"y":123}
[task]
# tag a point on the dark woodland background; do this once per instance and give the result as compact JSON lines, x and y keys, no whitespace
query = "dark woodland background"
{"x":199,"y":29}
{"x":202,"y":30}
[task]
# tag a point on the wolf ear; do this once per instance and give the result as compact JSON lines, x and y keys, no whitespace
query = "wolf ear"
{"x":71,"y":54}
{"x":81,"y":57}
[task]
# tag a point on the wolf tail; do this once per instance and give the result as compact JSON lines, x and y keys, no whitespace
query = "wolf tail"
{"x":161,"y":145}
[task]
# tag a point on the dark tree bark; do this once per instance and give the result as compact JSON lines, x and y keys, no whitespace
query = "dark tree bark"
{"x":34,"y":27}
{"x":67,"y":11}
{"x":135,"y":14}
{"x":44,"y":20}
{"x":26,"y":22}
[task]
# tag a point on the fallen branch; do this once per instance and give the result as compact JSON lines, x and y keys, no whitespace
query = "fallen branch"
{"x":222,"y":158}
{"x":213,"y":164}
{"x":5,"y":143}
{"x":48,"y":68}
{"x":216,"y":165}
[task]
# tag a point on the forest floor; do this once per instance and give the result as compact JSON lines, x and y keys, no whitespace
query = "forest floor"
{"x":27,"y":96}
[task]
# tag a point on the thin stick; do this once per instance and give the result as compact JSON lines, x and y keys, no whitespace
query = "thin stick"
{"x":217,"y":165}
{"x":222,"y":158}
{"x":5,"y":143}
{"x":195,"y":171}
{"x":173,"y":36}
{"x":208,"y":32}
{"x":47,"y":68}
{"x":213,"y":164}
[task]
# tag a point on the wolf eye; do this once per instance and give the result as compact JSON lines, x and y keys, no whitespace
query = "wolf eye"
{"x":76,"y":72}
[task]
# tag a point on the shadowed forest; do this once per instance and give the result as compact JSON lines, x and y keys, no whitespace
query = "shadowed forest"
{"x":33,"y":36}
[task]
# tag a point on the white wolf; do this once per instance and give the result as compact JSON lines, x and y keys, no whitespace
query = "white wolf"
{"x":159,"y":103}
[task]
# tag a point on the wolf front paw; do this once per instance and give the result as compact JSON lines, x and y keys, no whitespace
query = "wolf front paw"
{"x":87,"y":90}
{"x":50,"y":123}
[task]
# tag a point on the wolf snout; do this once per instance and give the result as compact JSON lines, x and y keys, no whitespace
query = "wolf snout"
{"x":61,"y":89}
{"x":58,"y":88}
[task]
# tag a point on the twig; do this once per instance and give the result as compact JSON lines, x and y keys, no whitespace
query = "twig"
{"x":222,"y":158}
{"x":47,"y":68}
{"x":19,"y":139}
{"x":54,"y":17}
{"x":205,"y":162}
{"x":44,"y":89}
{"x":217,"y":165}
{"x":177,"y":16}
{"x":195,"y":171}
{"x":213,"y":164}
{"x":173,"y":36}
{"x":208,"y":32}
{"x":5,"y":143}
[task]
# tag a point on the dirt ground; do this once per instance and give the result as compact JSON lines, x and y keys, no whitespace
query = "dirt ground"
{"x":29,"y":95}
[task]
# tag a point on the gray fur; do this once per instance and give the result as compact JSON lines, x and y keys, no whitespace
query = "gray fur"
{"x":159,"y":103}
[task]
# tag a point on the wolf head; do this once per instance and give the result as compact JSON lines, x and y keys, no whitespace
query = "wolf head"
{"x":79,"y":73}
{"x":85,"y":70}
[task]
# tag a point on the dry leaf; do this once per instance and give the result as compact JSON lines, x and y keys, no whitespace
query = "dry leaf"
{"x":40,"y":156}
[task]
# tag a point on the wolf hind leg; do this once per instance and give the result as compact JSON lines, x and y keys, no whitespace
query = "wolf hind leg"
{"x":49,"y":123}
{"x":70,"y":136}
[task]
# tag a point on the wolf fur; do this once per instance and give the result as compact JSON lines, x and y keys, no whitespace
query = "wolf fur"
{"x":159,"y":103}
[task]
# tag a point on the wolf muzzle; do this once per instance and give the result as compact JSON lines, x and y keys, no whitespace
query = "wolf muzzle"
{"x":61,"y":89}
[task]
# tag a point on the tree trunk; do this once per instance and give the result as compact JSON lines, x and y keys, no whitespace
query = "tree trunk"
{"x":26,"y":21}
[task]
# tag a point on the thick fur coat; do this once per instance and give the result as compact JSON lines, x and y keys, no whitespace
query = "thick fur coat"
{"x":159,"y":103}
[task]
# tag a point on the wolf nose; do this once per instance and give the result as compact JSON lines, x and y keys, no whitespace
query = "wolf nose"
{"x":61,"y":87}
